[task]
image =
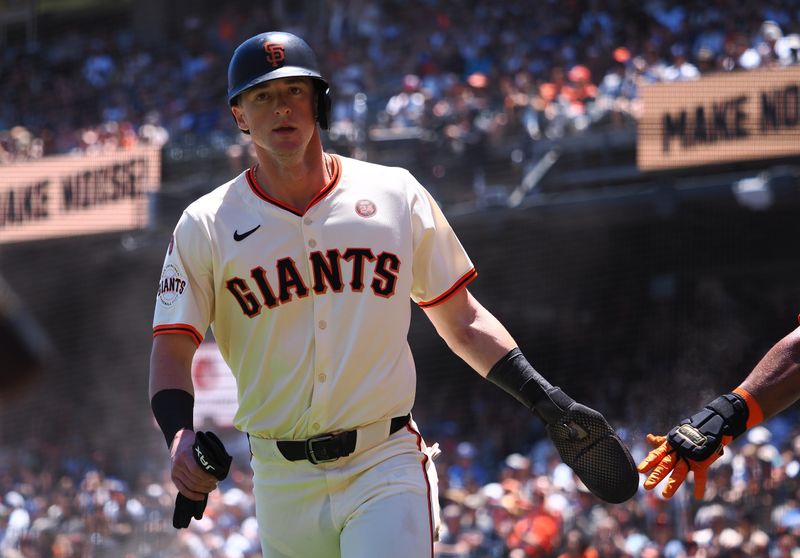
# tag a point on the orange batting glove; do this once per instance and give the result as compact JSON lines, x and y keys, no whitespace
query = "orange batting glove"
{"x":696,"y":442}
{"x":665,"y":459}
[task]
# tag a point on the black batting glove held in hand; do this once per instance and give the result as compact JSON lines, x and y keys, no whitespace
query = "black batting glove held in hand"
{"x":700,"y":436}
{"x":186,"y":509}
{"x":584,"y":439}
{"x":210,"y":454}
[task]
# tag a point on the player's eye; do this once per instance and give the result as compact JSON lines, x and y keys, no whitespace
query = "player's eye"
{"x":261,"y":96}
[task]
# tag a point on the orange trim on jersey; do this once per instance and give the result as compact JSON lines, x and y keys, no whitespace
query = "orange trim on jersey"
{"x":463,"y":282}
{"x":336,"y":173}
{"x":755,"y":414}
{"x":183,"y":329}
{"x":425,"y":458}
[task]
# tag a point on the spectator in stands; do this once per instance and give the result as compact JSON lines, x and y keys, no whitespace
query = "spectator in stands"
{"x":580,"y":91}
{"x":578,"y":546}
{"x":680,"y":69}
{"x":451,"y":543}
{"x":467,"y":472}
{"x":406,"y":108}
{"x":554,"y":105}
{"x":788,"y":49}
{"x":536,"y":532}
{"x":618,"y":91}
{"x":765,"y":42}
{"x":738,"y":55}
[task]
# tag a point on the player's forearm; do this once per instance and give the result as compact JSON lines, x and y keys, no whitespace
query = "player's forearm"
{"x":171,"y":391}
{"x":775,"y":381}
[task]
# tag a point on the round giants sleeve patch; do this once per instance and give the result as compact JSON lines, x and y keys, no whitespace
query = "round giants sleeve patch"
{"x":171,"y":285}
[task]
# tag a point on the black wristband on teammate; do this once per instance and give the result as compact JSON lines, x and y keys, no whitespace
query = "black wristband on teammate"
{"x":174,"y":411}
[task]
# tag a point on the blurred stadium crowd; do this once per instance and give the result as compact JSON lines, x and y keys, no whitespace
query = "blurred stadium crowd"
{"x":477,"y":75}
{"x":58,"y":502}
{"x":486,"y":74}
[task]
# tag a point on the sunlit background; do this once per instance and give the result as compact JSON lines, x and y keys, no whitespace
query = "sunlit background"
{"x":624,"y":175}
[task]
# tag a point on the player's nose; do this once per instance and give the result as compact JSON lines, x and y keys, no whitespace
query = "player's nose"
{"x":282,"y":106}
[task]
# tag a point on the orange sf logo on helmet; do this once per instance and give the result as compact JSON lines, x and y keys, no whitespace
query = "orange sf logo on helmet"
{"x":275,"y":53}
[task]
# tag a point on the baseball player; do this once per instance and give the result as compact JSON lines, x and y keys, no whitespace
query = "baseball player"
{"x":303,"y":266}
{"x":695,"y":443}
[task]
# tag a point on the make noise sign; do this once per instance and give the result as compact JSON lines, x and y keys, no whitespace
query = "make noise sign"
{"x":719,"y":118}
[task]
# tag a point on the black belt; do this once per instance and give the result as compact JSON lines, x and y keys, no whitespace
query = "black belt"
{"x":329,"y":447}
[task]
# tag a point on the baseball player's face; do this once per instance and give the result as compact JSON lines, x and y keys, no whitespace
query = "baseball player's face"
{"x":279,"y":114}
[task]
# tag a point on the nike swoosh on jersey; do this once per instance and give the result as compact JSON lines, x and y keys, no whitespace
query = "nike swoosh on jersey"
{"x":238,"y":237}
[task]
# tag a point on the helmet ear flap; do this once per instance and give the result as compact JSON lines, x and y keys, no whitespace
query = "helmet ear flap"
{"x":323,"y":106}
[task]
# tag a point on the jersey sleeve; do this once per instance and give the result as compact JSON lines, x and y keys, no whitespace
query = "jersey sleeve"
{"x":185,"y":296}
{"x":441,"y":265}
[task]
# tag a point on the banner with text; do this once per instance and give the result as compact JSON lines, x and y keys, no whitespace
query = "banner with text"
{"x":69,"y":195}
{"x":719,"y":118}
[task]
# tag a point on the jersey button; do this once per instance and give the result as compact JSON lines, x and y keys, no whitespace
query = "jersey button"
{"x":322,"y":377}
{"x":308,"y":221}
{"x":323,"y":324}
{"x":312,"y":242}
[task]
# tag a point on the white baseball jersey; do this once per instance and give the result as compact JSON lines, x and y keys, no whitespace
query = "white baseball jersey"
{"x":310,"y":306}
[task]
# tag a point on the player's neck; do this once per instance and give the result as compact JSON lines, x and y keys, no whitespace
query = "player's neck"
{"x":294,"y":181}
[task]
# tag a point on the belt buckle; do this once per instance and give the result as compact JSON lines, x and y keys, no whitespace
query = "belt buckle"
{"x":312,"y":455}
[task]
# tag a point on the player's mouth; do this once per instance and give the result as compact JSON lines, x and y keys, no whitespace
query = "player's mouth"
{"x":285,"y":129}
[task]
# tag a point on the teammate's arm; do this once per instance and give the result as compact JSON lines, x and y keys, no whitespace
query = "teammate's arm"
{"x":172,"y":398}
{"x":696,"y":442}
{"x":775,"y":381}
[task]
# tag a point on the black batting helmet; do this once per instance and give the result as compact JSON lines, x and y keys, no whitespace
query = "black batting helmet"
{"x":276,"y":55}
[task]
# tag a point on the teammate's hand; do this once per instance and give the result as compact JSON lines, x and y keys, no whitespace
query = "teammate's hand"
{"x":190,"y":479}
{"x":663,"y":459}
{"x":694,"y":444}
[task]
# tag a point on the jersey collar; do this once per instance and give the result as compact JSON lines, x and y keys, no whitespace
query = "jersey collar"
{"x":336,"y":173}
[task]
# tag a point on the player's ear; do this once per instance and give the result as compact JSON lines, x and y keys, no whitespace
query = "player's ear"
{"x":238,"y":115}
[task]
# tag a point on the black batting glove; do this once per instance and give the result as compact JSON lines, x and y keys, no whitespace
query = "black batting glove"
{"x":210,"y":455}
{"x":186,"y":509}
